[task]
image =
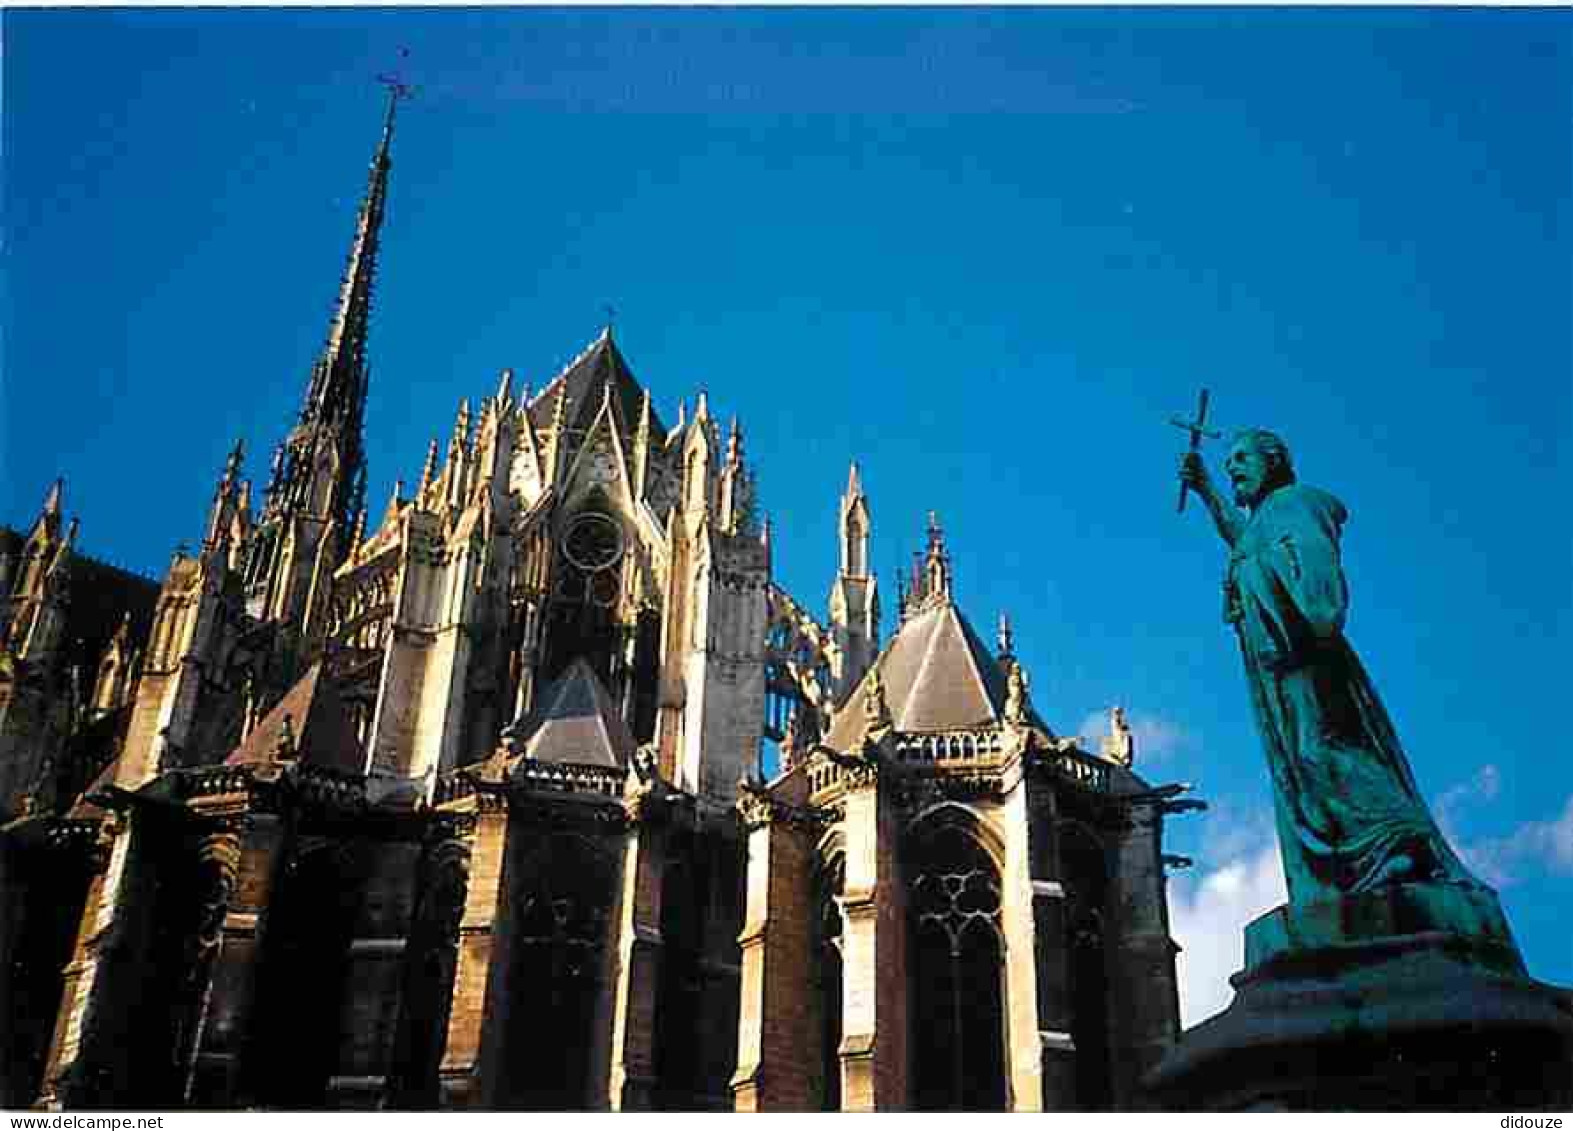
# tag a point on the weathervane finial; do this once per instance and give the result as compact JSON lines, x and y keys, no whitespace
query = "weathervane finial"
{"x":398,"y":88}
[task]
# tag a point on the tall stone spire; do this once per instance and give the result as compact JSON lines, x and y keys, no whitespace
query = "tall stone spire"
{"x":338,"y":379}
{"x":318,"y":476}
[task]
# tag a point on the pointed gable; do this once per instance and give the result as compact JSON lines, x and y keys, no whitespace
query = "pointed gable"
{"x":582,"y":381}
{"x":938,"y":676}
{"x":323,"y":731}
{"x":576,"y":721}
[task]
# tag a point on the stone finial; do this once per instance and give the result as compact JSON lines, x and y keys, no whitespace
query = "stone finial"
{"x":285,"y":748}
{"x":394,"y":503}
{"x":876,"y":711}
{"x":249,"y":704}
{"x":1119,"y":745}
{"x":734,"y":442}
{"x":1006,"y":639}
{"x":1016,"y":693}
{"x":429,"y":471}
{"x":791,"y":741}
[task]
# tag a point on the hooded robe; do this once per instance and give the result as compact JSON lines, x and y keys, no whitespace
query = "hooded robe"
{"x":1348,"y":813}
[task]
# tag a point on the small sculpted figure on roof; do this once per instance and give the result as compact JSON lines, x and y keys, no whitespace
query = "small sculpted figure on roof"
{"x":1016,"y":690}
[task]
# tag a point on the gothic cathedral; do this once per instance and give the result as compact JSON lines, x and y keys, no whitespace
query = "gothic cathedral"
{"x":460,"y":802}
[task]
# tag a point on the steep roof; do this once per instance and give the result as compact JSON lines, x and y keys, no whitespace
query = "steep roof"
{"x":938,"y":675}
{"x":576,"y":721}
{"x":324,"y":732}
{"x":582,"y":381}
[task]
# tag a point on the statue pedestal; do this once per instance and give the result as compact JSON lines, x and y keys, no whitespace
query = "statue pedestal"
{"x":1409,"y":998}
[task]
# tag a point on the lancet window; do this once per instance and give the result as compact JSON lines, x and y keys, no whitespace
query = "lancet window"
{"x":828,"y":978}
{"x":432,"y":957}
{"x":956,"y":959}
{"x":560,"y":910}
{"x":1086,"y":885}
{"x":586,"y":590}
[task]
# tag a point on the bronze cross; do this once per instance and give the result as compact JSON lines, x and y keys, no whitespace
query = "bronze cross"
{"x":1194,"y":427}
{"x":394,"y":80}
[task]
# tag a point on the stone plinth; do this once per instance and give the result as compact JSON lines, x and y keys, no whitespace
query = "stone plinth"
{"x":1409,"y":998}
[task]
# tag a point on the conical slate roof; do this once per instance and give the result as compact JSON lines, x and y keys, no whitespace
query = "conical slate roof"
{"x":324,"y":732}
{"x":938,"y":675}
{"x":576,"y":721}
{"x":582,"y":381}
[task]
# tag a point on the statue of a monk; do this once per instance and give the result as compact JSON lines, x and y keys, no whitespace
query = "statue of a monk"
{"x":1349,"y":816}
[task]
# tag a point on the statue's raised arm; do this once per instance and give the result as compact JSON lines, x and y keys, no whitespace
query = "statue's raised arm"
{"x":1193,"y":473}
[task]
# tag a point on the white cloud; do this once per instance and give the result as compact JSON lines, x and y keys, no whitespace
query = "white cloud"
{"x":1478,"y":790}
{"x":1500,"y":861}
{"x":1241,"y":878}
{"x":1156,"y":738}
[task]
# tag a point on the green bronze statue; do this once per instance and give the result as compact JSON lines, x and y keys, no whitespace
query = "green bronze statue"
{"x":1349,"y":816}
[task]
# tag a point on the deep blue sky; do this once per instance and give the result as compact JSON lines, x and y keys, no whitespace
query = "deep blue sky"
{"x":987,"y":253}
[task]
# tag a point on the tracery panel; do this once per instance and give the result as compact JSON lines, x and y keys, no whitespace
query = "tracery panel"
{"x":957,"y":971}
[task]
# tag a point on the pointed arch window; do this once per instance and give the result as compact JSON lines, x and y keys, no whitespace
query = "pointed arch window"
{"x":587,"y":587}
{"x":428,"y":987}
{"x":956,"y":958}
{"x":560,"y":911}
{"x":827,"y":978}
{"x":1086,"y":884}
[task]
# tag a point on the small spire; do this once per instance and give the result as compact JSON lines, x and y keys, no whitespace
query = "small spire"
{"x":702,"y":406}
{"x":428,"y":472}
{"x":504,"y":389}
{"x":854,"y":481}
{"x":53,"y":500}
{"x":394,"y":502}
{"x":734,"y":442}
{"x":236,"y":456}
{"x":682,"y":415}
{"x":1007,"y":641}
{"x":461,"y":422}
{"x":936,"y":566}
{"x":359,"y":536}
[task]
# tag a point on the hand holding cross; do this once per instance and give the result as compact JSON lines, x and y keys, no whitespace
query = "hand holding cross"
{"x":1197,"y":432}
